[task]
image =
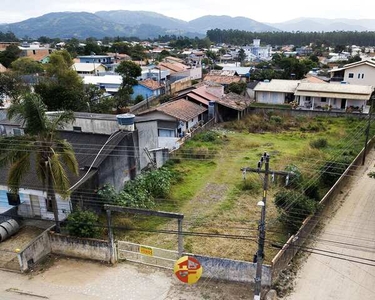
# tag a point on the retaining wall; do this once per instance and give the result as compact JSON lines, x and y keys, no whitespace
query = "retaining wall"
{"x":232,"y":270}
{"x":35,"y":251}
{"x":80,"y":248}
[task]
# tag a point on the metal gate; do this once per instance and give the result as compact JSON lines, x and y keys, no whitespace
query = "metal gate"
{"x":146,"y":255}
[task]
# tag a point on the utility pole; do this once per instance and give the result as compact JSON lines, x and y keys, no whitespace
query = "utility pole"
{"x":368,"y":129}
{"x":259,"y":257}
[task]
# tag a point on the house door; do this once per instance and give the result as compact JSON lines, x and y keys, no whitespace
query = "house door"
{"x":343,"y":103}
{"x":35,"y":205}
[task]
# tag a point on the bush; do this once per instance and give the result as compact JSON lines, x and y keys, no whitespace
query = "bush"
{"x":138,"y":99}
{"x":295,"y":179}
{"x":276,"y":120}
{"x":331,"y":171}
{"x":319,"y":143}
{"x":83,"y":224}
{"x":207,"y":136}
{"x":158,"y":182}
{"x":294,"y":208}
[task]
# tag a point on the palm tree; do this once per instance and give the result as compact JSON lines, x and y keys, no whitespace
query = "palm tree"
{"x":41,"y":146}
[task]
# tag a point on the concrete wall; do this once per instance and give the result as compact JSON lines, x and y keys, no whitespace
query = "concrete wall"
{"x":180,"y":85}
{"x":148,"y":138}
{"x":233,"y":270}
{"x":368,"y":75}
{"x":308,"y":113}
{"x":94,"y":125}
{"x":80,"y":248}
{"x":35,"y":251}
{"x":269,"y":97}
{"x":116,"y":170}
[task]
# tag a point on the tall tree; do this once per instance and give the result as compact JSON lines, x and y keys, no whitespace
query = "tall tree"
{"x":241,"y":56}
{"x":41,"y":147}
{"x":12,"y":85}
{"x":10,"y":54}
{"x":62,"y":88}
{"x":129,"y":72}
{"x":26,"y":65}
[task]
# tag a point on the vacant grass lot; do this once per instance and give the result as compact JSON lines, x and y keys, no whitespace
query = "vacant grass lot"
{"x":213,"y":195}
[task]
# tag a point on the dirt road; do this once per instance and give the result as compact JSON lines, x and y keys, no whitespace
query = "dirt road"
{"x":70,"y":279}
{"x":350,"y":232}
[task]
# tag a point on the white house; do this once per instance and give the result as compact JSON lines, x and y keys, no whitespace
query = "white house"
{"x":276,"y":91}
{"x":361,"y":73}
{"x":88,"y":69}
{"x":334,"y":96}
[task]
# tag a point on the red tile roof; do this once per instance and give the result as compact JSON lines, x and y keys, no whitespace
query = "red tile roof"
{"x":234,"y":101}
{"x":198,"y":98}
{"x":151,"y":84}
{"x":183,"y":110}
{"x":203,"y":93}
{"x":173,"y":67}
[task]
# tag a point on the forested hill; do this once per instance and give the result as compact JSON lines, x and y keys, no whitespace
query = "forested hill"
{"x":240,"y":37}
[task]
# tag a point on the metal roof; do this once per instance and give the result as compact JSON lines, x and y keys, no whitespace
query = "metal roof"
{"x":346,"y":91}
{"x":278,"y":85}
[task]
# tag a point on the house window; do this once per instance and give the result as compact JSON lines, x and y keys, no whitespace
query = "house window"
{"x":77,"y":128}
{"x":187,"y":125}
{"x":34,"y":52}
{"x":166,"y":133}
{"x":192,"y":120}
{"x":49,"y":205}
{"x":323,"y":99}
{"x":359,"y":75}
{"x":308,"y":98}
{"x":351,"y":75}
{"x":17,"y":132}
{"x":363,"y":76}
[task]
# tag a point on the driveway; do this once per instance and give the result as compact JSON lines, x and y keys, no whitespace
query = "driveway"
{"x":83,"y":280}
{"x":350,"y":232}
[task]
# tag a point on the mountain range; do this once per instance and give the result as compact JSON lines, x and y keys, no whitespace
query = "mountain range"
{"x":145,"y":24}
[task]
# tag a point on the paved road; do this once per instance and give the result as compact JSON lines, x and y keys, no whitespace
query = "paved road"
{"x":70,"y":279}
{"x":354,"y":227}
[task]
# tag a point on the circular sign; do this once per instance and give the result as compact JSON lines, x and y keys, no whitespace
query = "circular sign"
{"x":188,"y":269}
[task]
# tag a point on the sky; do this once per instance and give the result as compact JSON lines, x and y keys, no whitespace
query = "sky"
{"x":271,"y":11}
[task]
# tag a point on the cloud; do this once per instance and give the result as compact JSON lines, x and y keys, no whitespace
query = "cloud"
{"x":273,"y":11}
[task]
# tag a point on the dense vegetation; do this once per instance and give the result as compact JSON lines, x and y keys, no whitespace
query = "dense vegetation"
{"x":239,"y":37}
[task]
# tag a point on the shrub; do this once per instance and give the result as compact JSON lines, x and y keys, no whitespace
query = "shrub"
{"x":83,"y":224}
{"x":295,"y":179}
{"x":331,"y":171}
{"x":294,"y":207}
{"x":276,"y":120}
{"x":138,"y":99}
{"x":371,"y":175}
{"x":250,"y":184}
{"x":158,"y":182}
{"x":319,"y":143}
{"x":207,"y":136}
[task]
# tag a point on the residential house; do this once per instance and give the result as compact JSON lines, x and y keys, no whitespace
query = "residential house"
{"x":243,"y":72}
{"x":222,"y":77}
{"x":96,"y":59}
{"x":361,"y":73}
{"x":35,"y":51}
{"x":109,"y":83}
{"x":276,"y":91}
{"x":88,"y":69}
{"x":340,"y":97}
{"x":179,"y":71}
{"x":148,"y":88}
{"x":102,"y":159}
{"x":119,"y":57}
{"x":150,"y":72}
{"x":5,"y":45}
{"x":169,"y":122}
{"x":221,"y":106}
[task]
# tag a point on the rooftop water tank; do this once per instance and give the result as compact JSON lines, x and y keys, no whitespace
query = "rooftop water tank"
{"x":126,"y":121}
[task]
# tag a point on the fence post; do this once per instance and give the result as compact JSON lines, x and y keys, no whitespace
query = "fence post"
{"x":180,"y":238}
{"x":113,"y":258}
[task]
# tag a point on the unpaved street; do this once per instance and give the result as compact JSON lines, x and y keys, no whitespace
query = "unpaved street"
{"x":71,"y":279}
{"x":351,"y":232}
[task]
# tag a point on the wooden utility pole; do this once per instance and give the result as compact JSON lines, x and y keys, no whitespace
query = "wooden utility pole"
{"x":259,"y":257}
